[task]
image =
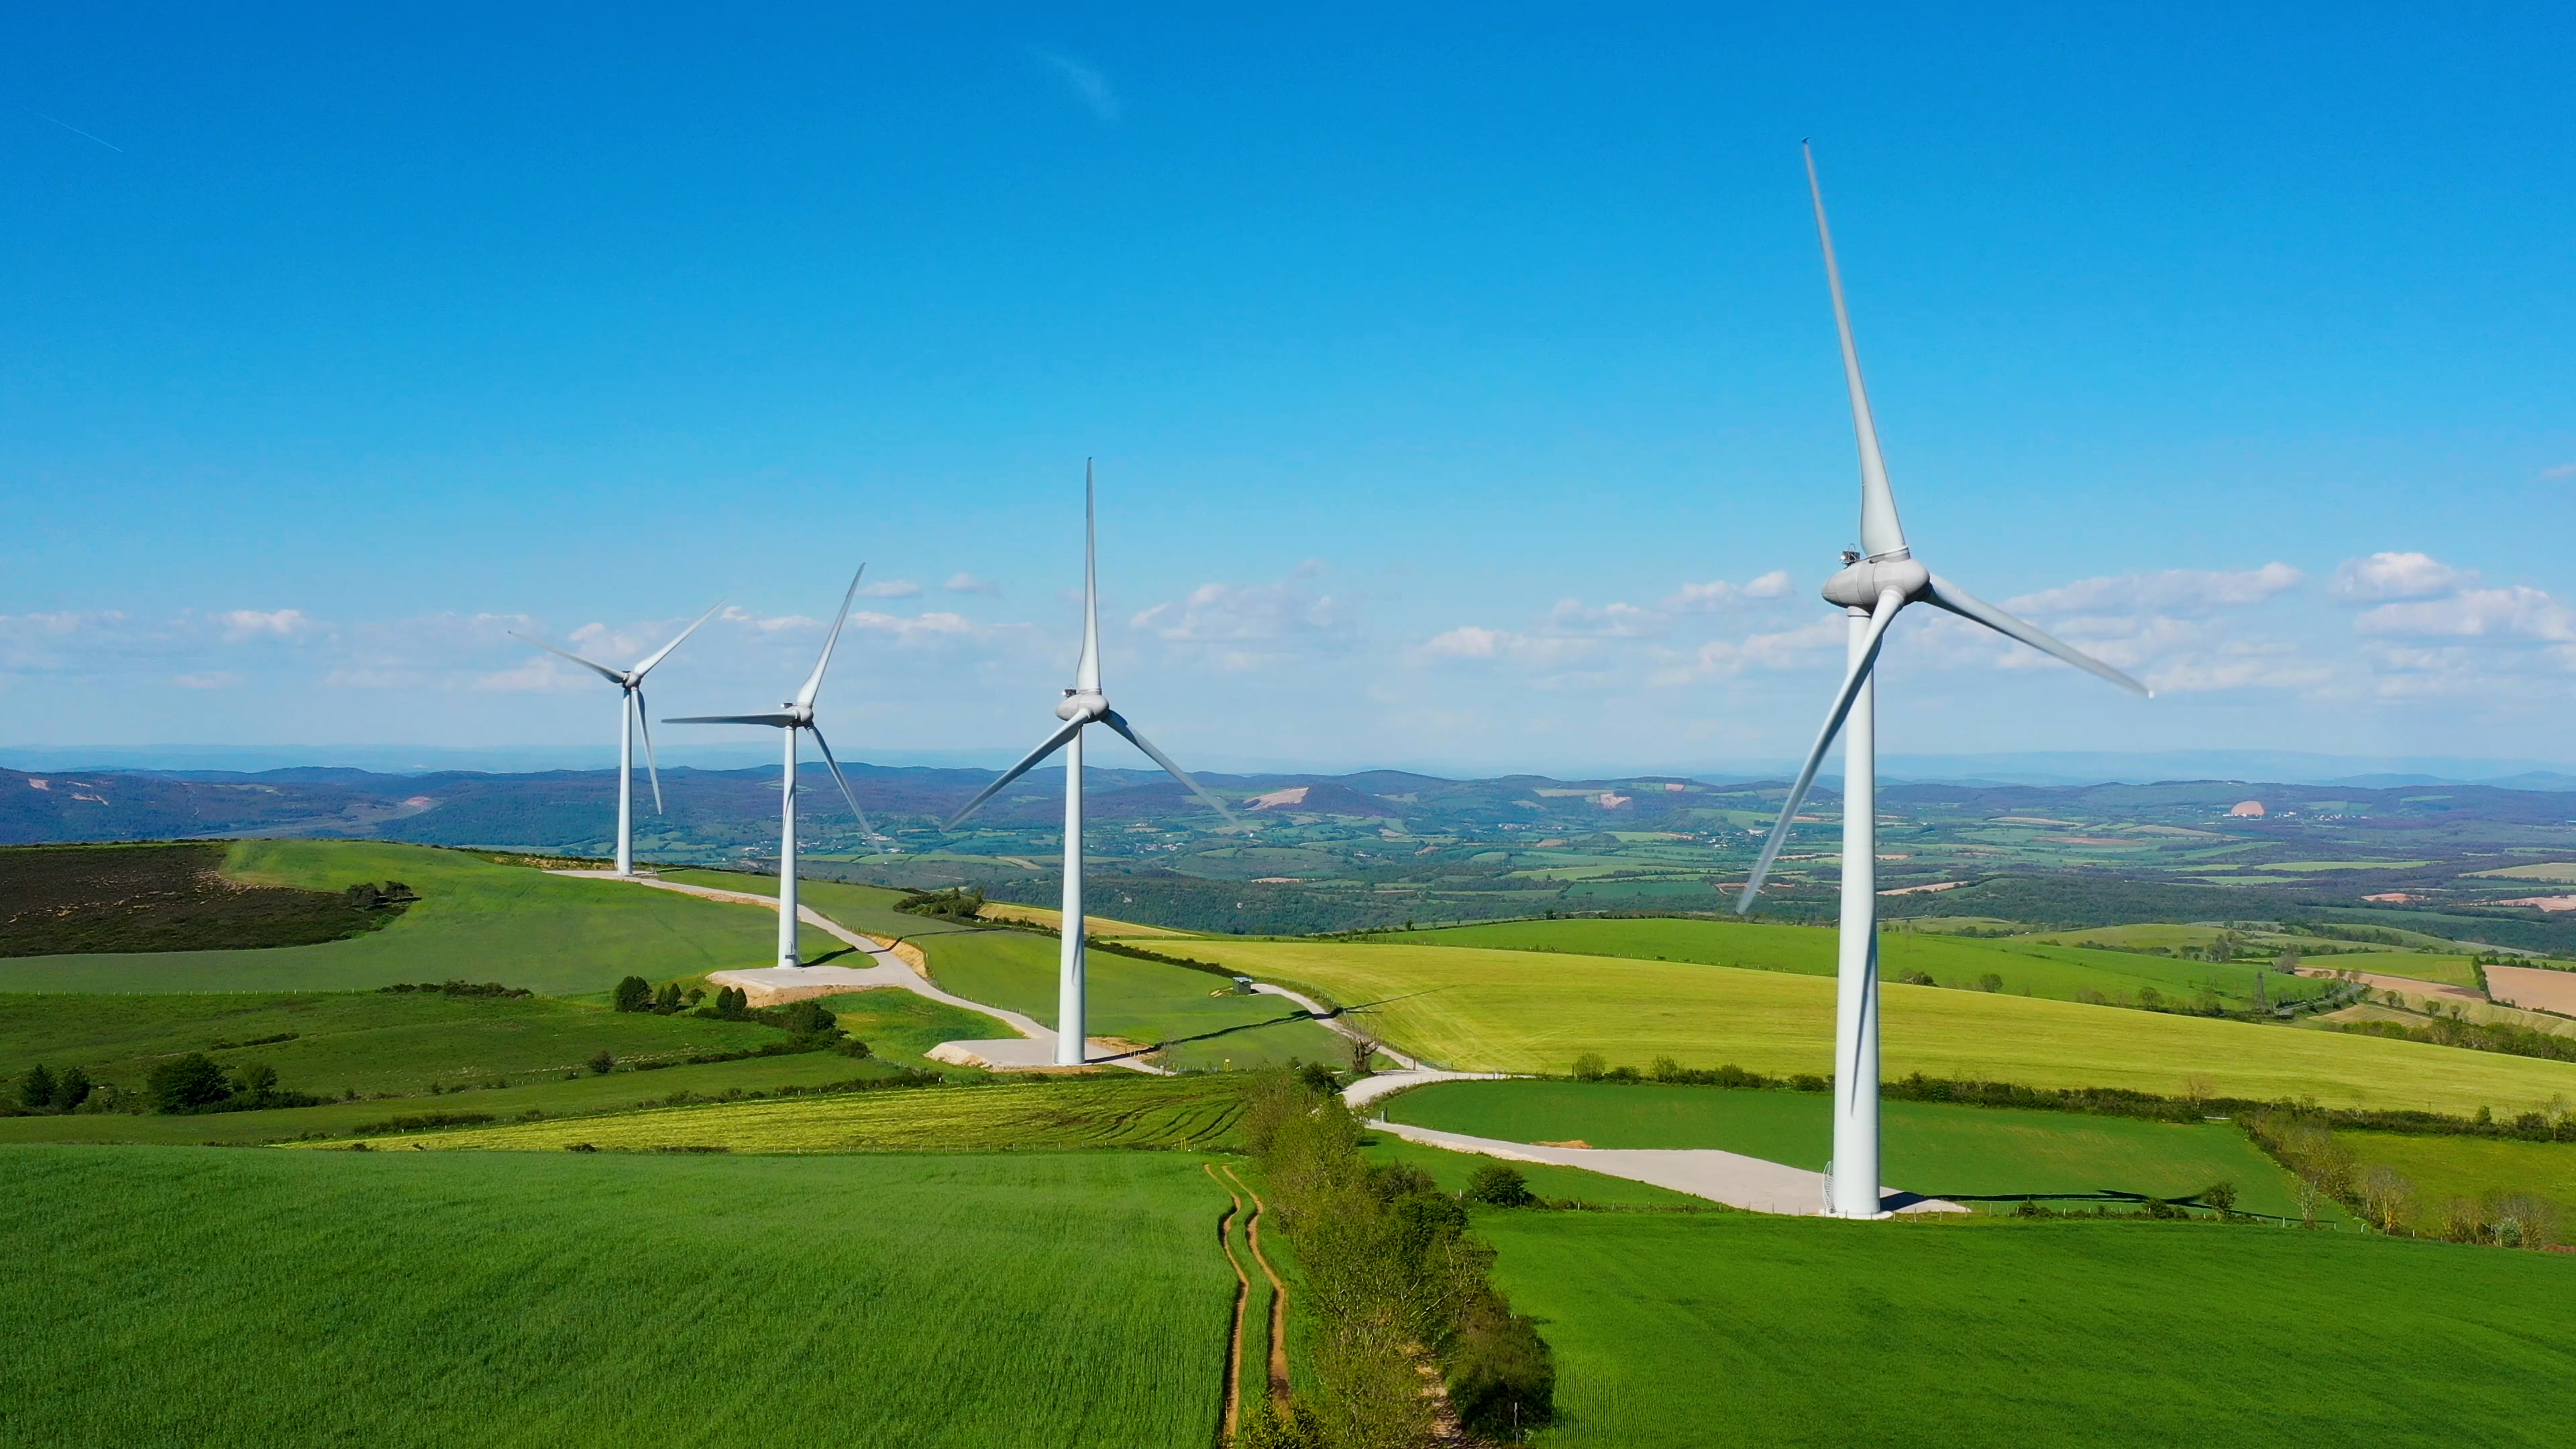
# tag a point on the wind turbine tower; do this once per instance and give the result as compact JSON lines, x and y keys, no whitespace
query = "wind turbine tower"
{"x":790,"y":719}
{"x":1084,"y":704}
{"x":1875,"y":584}
{"x":630,"y":718}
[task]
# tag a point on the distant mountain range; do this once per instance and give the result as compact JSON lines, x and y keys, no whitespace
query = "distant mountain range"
{"x":716,"y":812}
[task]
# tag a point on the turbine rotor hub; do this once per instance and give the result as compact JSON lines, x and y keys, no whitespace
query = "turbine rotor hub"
{"x":1860,"y":583}
{"x":1087,"y":704}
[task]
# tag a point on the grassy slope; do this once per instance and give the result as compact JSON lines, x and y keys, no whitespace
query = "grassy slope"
{"x":866,"y":909}
{"x":368,"y":1041}
{"x":1929,"y":1147}
{"x":2027,"y":968}
{"x":1521,"y":1011}
{"x":1118,"y":1109}
{"x":2445,"y":1167}
{"x":456,"y":1298}
{"x":2415,"y":965}
{"x":897,"y":1025}
{"x":1736,"y":1329}
{"x":475,"y":920}
{"x":1208,"y":1024}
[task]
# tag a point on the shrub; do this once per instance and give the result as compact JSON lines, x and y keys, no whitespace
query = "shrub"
{"x":187,"y":1084}
{"x":634,"y":994}
{"x":807,"y":1018}
{"x":1316,"y":1077}
{"x":1589,"y":1067}
{"x":1502,"y":1379}
{"x":603,"y":1062}
{"x":36,"y":1089}
{"x":1665,"y":1069}
{"x":1991,"y":981}
{"x":667,"y":1000}
{"x":71,"y":1089}
{"x":1499,"y":1184}
{"x":2220,"y":1195}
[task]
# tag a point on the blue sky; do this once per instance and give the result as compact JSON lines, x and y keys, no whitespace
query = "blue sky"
{"x":1462,"y":381}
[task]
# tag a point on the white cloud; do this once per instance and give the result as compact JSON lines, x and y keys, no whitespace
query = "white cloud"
{"x":211,"y":679}
{"x":1469,"y":642}
{"x":2559,"y":474}
{"x":890,"y":589}
{"x":736,"y":614}
{"x":535,"y":675}
{"x":1817,"y":641}
{"x":2175,"y":591}
{"x":965,"y":583}
{"x":1087,"y":83}
{"x":1279,"y":614}
{"x":2238,"y":664}
{"x":240,"y":624}
{"x":2385,"y":576}
{"x":1718,"y":593}
{"x":1618,"y":621}
{"x":914,"y":629}
{"x":2519,"y":611}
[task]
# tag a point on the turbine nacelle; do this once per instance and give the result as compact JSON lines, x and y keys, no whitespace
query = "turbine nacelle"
{"x":1081,"y":704}
{"x":1863,"y":582}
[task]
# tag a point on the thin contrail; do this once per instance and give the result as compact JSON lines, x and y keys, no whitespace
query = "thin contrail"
{"x":75,"y":130}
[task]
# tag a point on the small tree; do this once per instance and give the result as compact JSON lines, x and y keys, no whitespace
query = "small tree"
{"x":1665,"y":1069}
{"x":1499,"y":1184}
{"x":36,"y":1089}
{"x":667,"y":1000}
{"x":602,"y":1063}
{"x":1363,"y":1049}
{"x":634,"y":994}
{"x":2387,"y":1197}
{"x":2220,"y":1195}
{"x":184,"y":1084}
{"x":1991,"y":981}
{"x":254,"y":1080}
{"x":71,"y":1089}
{"x":1589,"y":1067}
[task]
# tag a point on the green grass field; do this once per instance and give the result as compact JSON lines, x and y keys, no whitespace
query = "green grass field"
{"x":1203,"y":1022}
{"x":475,"y":920}
{"x":2446,"y":1167}
{"x":2417,"y":965}
{"x":1113,"y":1109}
{"x":270,"y":1300}
{"x":68,"y":899}
{"x":1935,"y":1148}
{"x":1723,"y":1329}
{"x":897,"y":1025}
{"x":1526,"y":1011}
{"x":368,"y":1042}
{"x":2027,"y":968}
{"x":866,"y":909}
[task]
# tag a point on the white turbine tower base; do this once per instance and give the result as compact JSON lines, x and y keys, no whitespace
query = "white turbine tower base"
{"x":1874,"y":585}
{"x":630,"y":718}
{"x":790,"y":719}
{"x":1082,"y":705}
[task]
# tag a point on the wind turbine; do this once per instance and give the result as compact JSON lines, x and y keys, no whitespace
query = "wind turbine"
{"x":1873,"y":586}
{"x":630,"y":718}
{"x":1082,"y":705}
{"x":791,"y":718}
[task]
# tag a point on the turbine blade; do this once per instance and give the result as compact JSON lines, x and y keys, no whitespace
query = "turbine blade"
{"x":1054,"y":742}
{"x":826,"y":748}
{"x":652,"y":767}
{"x":814,"y":681}
{"x":1118,"y":722}
{"x":1879,"y":618}
{"x":658,"y":655}
{"x":1880,"y":532}
{"x":1959,"y":601}
{"x":759,"y":719}
{"x":602,"y":670}
{"x":1086,"y":673}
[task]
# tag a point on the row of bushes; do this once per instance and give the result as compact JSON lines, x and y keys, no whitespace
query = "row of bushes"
{"x":462,"y":988}
{"x":1393,"y":1279}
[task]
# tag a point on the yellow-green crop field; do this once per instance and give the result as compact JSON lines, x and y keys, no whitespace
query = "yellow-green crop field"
{"x":1528,"y":1012}
{"x":1125,"y":1110}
